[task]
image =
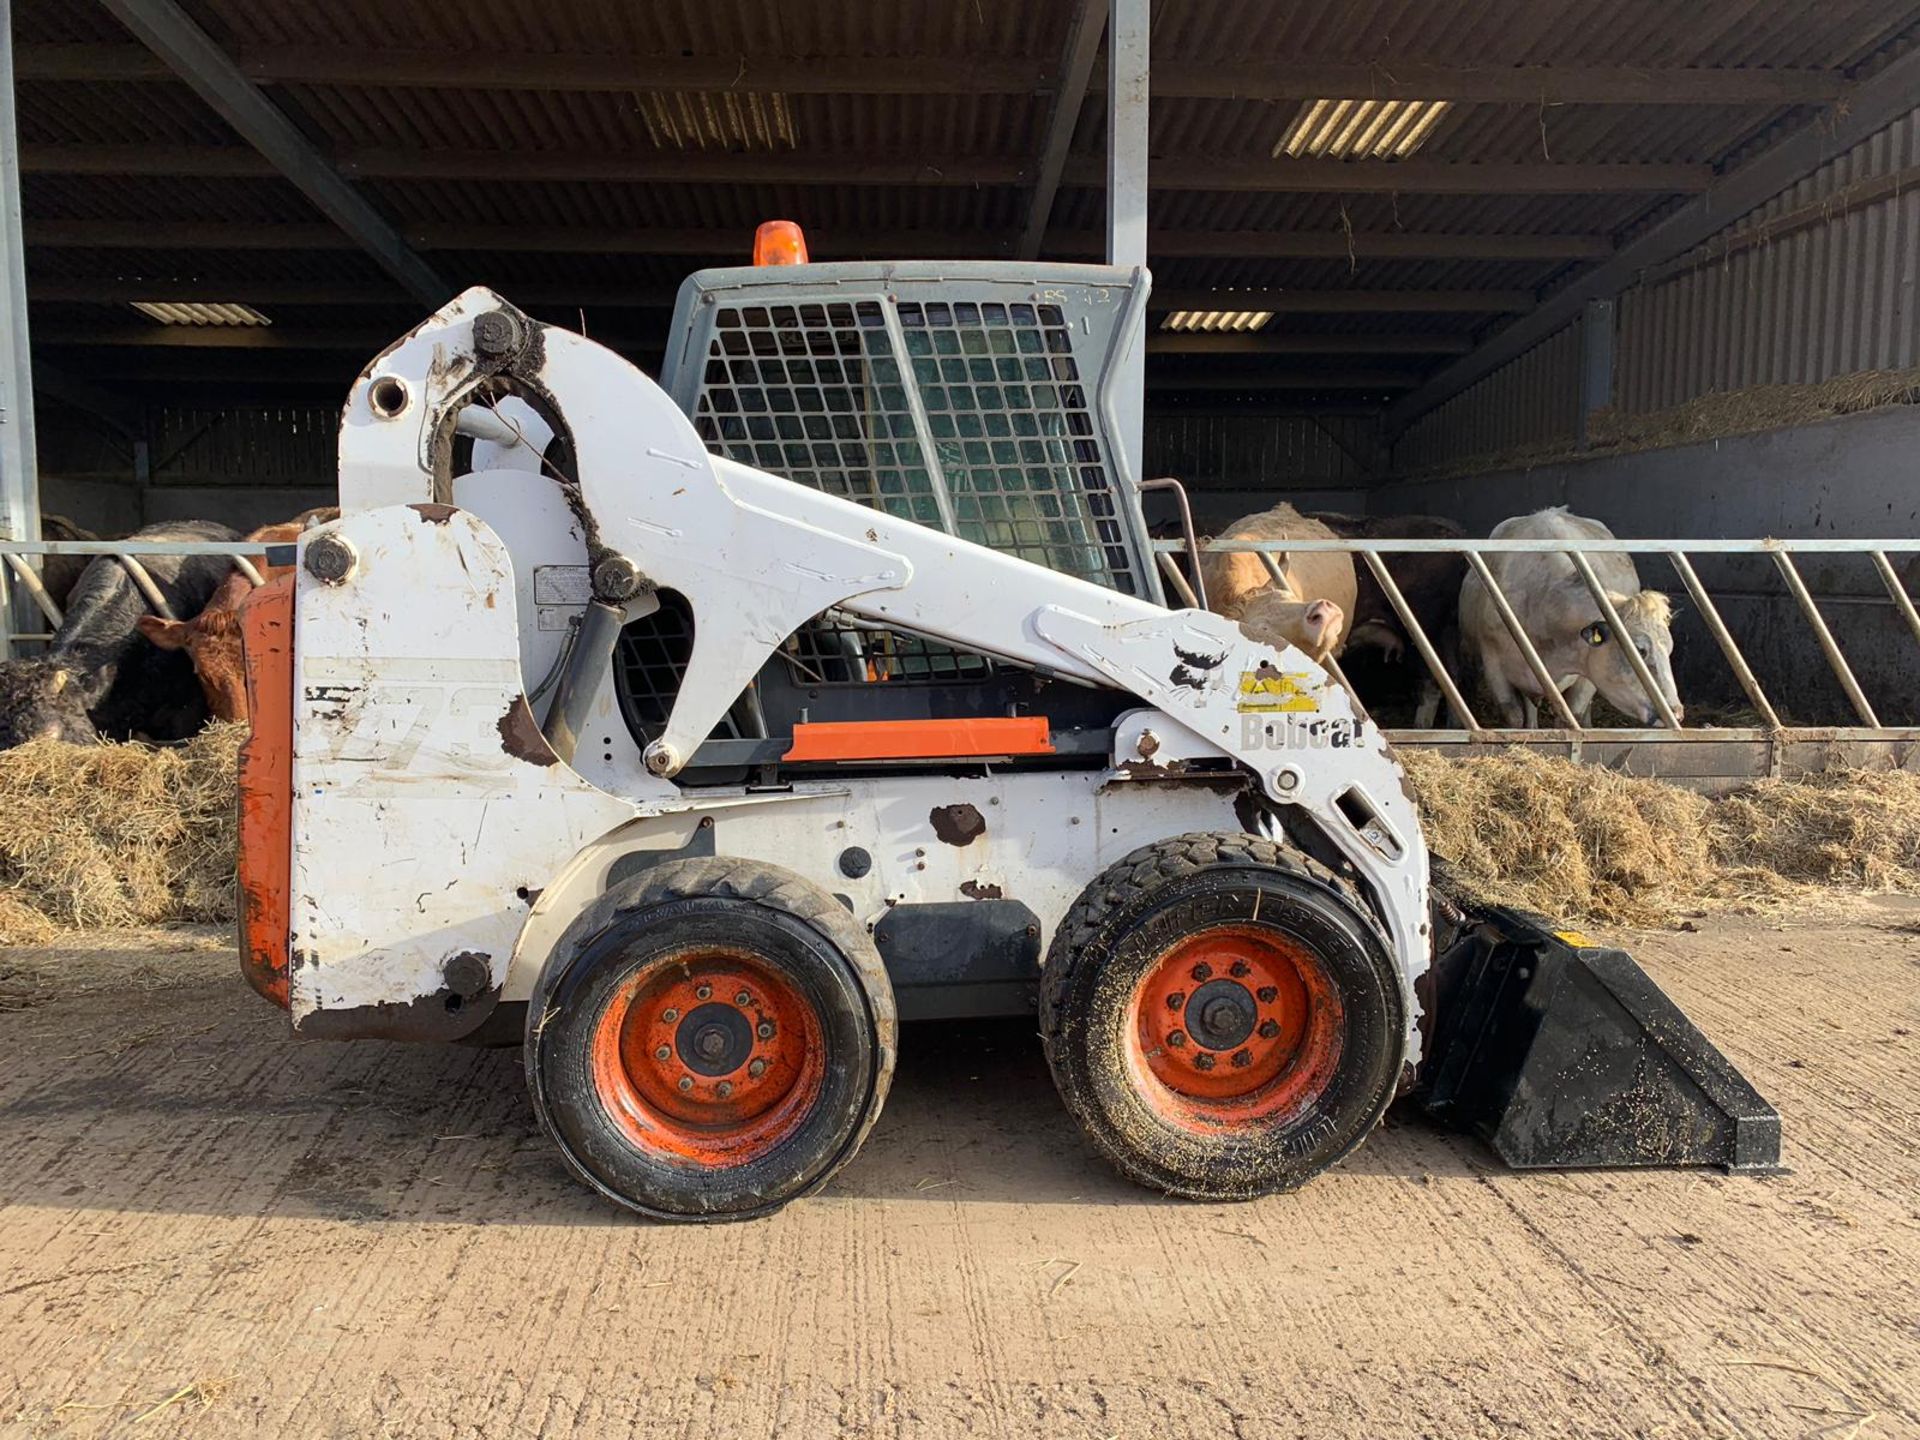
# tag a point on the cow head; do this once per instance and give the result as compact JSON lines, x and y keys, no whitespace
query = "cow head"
{"x":212,"y":642}
{"x":46,"y":698}
{"x":1274,"y":618}
{"x":1647,"y":618}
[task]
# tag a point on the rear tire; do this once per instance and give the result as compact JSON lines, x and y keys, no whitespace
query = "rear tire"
{"x":710,"y":1040}
{"x":1223,"y":1016}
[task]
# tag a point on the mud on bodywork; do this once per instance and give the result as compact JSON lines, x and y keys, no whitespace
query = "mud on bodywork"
{"x":520,"y":735}
{"x":957,"y":824}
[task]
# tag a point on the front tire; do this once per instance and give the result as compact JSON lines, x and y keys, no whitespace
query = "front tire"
{"x":710,"y":1040}
{"x":1223,"y":1016}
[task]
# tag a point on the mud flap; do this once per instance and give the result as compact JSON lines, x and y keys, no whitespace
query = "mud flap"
{"x":1563,"y":1055}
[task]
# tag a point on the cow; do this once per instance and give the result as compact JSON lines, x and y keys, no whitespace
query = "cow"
{"x":1577,"y":645}
{"x":100,"y":679}
{"x":1308,"y":609}
{"x":211,"y":639}
{"x":1429,"y":583}
{"x":60,"y":573}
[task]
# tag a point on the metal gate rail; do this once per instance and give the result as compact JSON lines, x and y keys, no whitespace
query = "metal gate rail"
{"x":1768,"y":740}
{"x":16,"y":571}
{"x":1569,"y":733}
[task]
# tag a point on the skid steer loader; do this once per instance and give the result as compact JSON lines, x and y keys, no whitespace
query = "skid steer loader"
{"x":696,"y":734}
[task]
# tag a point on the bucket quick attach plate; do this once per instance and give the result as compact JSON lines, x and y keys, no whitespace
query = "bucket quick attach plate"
{"x":1564,"y":1054}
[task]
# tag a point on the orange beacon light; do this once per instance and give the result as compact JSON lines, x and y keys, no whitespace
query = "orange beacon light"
{"x":779,"y":242}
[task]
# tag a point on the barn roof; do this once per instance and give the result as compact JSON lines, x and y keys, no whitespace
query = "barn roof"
{"x":584,"y":157}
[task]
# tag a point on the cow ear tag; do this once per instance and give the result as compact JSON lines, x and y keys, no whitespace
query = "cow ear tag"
{"x":1595,"y":634}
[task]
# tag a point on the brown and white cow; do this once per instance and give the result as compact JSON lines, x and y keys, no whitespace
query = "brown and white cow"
{"x":212,"y":637}
{"x":1577,"y":645}
{"x":1309,"y":609}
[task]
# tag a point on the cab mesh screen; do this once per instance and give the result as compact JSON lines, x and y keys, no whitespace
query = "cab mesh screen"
{"x":981,"y":428}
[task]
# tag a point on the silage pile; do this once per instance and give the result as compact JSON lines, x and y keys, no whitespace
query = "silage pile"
{"x":108,"y":835}
{"x":1578,"y":842}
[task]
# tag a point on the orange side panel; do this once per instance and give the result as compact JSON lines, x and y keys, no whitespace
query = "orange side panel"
{"x":266,"y":790}
{"x":921,"y":739}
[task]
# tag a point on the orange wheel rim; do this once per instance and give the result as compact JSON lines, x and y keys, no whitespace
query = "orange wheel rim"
{"x":709,"y":1056}
{"x":1235,"y":1026}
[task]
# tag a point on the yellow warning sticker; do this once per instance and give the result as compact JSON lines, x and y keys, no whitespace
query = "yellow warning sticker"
{"x":1576,"y":939}
{"x":1268,"y":691}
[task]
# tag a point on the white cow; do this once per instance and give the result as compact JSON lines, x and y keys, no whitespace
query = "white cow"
{"x":1566,"y":625}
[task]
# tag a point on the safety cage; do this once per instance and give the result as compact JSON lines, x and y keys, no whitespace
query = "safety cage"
{"x":971,"y":398}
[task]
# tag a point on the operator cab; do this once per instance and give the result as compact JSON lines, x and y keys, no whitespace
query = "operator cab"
{"x":971,"y":397}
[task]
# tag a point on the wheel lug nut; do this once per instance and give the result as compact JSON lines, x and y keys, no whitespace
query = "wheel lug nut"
{"x":743,"y":999}
{"x":764,"y":1030}
{"x":670,"y":1015}
{"x":723,"y":1089}
{"x":1202,"y":971}
{"x":1176,"y":1000}
{"x":664,"y":1052}
{"x":686,"y":1082}
{"x":1177,"y":1039}
{"x":705,"y":992}
{"x":1242,"y":1059}
{"x":1239,"y":970}
{"x":757,"y":1069}
{"x":1269,"y":1029}
{"x":1268,"y":994}
{"x":1203,"y":1061}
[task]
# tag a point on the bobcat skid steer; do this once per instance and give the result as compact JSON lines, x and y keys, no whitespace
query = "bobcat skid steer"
{"x":697,"y":734}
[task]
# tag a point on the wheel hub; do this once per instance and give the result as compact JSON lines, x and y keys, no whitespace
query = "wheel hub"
{"x":714,"y":1039}
{"x":1221,"y":1015}
{"x":1236,"y":1019}
{"x":709,"y":1055}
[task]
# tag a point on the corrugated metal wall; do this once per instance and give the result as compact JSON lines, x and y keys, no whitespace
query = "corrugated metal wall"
{"x":280,"y":445}
{"x":1234,"y":464}
{"x":1531,"y":403}
{"x":1257,"y":452}
{"x":1819,"y":283}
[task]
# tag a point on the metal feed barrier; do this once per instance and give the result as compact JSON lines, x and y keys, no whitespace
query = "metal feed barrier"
{"x":1706,"y":755}
{"x":20,"y":580}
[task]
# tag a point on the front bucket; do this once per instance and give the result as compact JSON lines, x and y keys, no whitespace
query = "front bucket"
{"x":1563,"y":1054}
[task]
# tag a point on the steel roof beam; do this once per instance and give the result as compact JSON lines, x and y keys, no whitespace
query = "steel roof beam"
{"x":367,"y":340}
{"x":167,"y":30}
{"x":1261,"y":80}
{"x":1259,"y":342}
{"x":1868,"y":108}
{"x":1407,"y":177}
{"x":891,"y":244}
{"x":1516,"y":85}
{"x":1077,"y":64}
{"x":1344,"y":177}
{"x":565,"y":293}
{"x":1348,"y":302}
{"x":1265,"y":378}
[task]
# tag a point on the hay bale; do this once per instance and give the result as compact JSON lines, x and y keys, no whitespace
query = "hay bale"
{"x":1579,"y":843}
{"x":22,"y":923}
{"x":111,"y":835}
{"x":1571,"y":841}
{"x":1853,"y":828}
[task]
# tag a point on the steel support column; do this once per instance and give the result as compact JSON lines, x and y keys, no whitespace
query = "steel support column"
{"x":19,"y":480}
{"x":1127,"y":200}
